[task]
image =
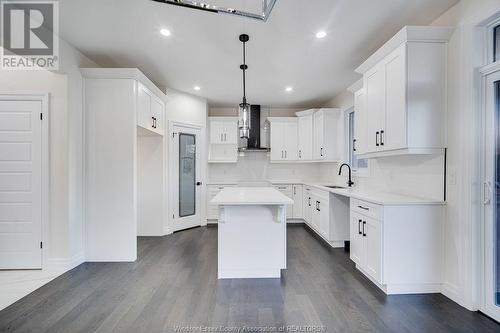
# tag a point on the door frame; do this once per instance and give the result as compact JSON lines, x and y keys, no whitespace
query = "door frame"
{"x":171,"y":167}
{"x":43,"y":97}
{"x":486,"y":194}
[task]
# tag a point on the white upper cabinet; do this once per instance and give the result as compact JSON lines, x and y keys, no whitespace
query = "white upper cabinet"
{"x":402,"y":105}
{"x":326,"y":135}
{"x":224,"y":130}
{"x":360,"y":122}
{"x":284,"y":143}
{"x":150,"y":110}
{"x":305,"y":135}
{"x":223,"y":135}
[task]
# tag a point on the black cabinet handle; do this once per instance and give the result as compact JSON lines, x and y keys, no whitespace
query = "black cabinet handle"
{"x":321,"y":152}
{"x":381,"y":138}
{"x":309,"y":202}
{"x":364,"y":233}
{"x":353,"y":144}
{"x":199,"y":183}
{"x":364,"y":208}
{"x":317,"y":206}
{"x":359,"y":227}
{"x":300,"y":153}
{"x":376,"y":139}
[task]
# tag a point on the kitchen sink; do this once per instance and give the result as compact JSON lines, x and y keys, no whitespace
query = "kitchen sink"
{"x":330,"y":186}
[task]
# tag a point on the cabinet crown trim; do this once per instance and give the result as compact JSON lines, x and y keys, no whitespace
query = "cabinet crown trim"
{"x":407,"y":34}
{"x":305,"y":113}
{"x":282,"y":119}
{"x":122,"y":73}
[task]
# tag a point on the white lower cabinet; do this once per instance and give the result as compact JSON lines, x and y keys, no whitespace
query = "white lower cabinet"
{"x":365,"y":244}
{"x":294,"y":192}
{"x":398,"y":247}
{"x":327,"y":214}
{"x":212,"y":191}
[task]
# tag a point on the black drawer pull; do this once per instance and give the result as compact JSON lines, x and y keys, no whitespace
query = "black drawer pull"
{"x":364,"y":208}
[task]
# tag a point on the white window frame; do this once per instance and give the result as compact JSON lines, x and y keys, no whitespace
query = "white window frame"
{"x":489,"y":34}
{"x":363,"y":172}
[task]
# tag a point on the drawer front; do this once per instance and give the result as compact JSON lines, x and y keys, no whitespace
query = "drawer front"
{"x":367,"y":208}
{"x":285,"y":189}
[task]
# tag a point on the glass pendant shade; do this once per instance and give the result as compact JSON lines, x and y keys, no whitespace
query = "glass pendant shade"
{"x":244,"y":120}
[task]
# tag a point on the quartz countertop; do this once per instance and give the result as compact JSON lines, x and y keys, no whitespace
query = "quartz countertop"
{"x":377,"y":197}
{"x":251,"y":196}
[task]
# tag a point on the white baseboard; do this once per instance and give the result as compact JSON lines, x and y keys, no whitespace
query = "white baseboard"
{"x":65,"y":264}
{"x":453,"y":293}
{"x":166,"y":231}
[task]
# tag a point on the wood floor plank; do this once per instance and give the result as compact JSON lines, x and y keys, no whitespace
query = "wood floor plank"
{"x":174,"y":283}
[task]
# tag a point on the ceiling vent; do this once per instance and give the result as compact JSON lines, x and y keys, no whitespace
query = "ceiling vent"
{"x":263,"y":15}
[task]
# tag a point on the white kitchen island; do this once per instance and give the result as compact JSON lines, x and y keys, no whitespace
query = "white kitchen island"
{"x":251,"y":232}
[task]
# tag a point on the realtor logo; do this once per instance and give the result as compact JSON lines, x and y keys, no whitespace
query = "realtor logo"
{"x":29,"y":35}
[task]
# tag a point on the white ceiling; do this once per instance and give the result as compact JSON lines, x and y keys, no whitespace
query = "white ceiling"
{"x":204,"y":49}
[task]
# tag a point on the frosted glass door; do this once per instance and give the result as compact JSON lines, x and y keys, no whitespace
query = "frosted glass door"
{"x":187,"y":174}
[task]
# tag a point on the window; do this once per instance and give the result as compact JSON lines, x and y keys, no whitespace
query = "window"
{"x":359,"y":166}
{"x":496,"y":43}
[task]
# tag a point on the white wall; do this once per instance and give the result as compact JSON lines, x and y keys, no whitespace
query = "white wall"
{"x":462,"y":243}
{"x":65,"y":243}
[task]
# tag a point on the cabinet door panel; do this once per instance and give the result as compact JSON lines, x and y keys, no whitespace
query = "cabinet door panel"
{"x":144,"y":108}
{"x":277,"y":147}
{"x":290,"y":141}
{"x":297,"y":202}
{"x":395,"y":105}
{"x":307,"y":205}
{"x":375,"y":107}
{"x":356,"y":238}
{"x":288,"y":191}
{"x":373,"y":247}
{"x":360,"y":122}
{"x":157,"y":111}
{"x":324,"y":218}
{"x":305,"y":145}
{"x":216,"y":131}
{"x":231,"y":132}
{"x":319,"y":137}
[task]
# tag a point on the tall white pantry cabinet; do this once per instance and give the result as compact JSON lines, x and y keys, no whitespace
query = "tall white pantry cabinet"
{"x":125,"y":173}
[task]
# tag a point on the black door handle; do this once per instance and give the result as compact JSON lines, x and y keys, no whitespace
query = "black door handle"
{"x":381,"y":138}
{"x":376,"y":139}
{"x":317,"y":206}
{"x":309,"y":201}
{"x":354,"y":145}
{"x":359,"y":227}
{"x":364,"y":233}
{"x":199,"y":183}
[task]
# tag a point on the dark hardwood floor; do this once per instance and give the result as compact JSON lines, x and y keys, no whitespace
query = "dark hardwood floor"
{"x":174,"y":283}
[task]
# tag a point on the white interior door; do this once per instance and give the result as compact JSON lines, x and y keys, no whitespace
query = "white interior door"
{"x":20,"y":184}
{"x":491,"y":281}
{"x":187,"y":172}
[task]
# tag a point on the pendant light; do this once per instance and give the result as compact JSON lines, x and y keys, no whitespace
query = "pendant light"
{"x":244,"y":109}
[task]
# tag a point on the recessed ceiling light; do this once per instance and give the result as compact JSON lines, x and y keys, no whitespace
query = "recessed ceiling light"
{"x":321,"y":34}
{"x":165,"y":32}
{"x":289,"y":89}
{"x":196,"y":88}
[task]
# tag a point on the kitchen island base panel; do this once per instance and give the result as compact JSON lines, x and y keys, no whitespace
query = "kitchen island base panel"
{"x":251,"y":241}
